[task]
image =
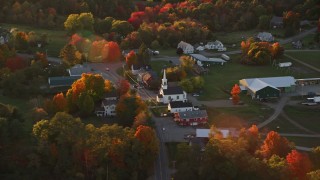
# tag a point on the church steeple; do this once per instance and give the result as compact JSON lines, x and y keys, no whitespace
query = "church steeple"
{"x":164,"y":84}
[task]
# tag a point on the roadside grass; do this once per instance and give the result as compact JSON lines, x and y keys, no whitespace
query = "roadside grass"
{"x":305,"y":142}
{"x":56,"y":38}
{"x":310,"y":57}
{"x":307,"y":117}
{"x":220,"y":79}
{"x":239,"y":117}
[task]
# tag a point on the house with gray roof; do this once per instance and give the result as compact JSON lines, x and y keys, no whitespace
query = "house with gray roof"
{"x":191,"y":118}
{"x":186,"y":47}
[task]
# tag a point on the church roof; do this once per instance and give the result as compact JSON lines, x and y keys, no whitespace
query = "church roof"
{"x":173,"y":90}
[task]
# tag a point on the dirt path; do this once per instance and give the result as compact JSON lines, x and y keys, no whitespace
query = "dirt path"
{"x":278,"y":109}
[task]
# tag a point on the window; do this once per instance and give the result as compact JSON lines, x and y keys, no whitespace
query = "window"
{"x":177,"y":97}
{"x":169,"y":98}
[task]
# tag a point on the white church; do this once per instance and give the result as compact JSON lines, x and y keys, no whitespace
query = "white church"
{"x":170,"y":93}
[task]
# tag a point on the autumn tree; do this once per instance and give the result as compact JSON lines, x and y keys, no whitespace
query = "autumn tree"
{"x":275,"y":144}
{"x":16,"y":63}
{"x":124,"y":87}
{"x":140,"y":119}
{"x":59,"y":102}
{"x":60,"y":140}
{"x":187,"y":63}
{"x":128,"y":107}
{"x":70,"y":56}
{"x":85,"y":92}
{"x":235,"y":91}
{"x":315,"y":157}
{"x":21,"y":41}
{"x":78,"y":22}
{"x":253,"y":138}
{"x":111,"y":52}
{"x":131,"y":59}
{"x":147,"y":136}
{"x":143,"y":55}
{"x":277,"y":167}
{"x":299,"y":164}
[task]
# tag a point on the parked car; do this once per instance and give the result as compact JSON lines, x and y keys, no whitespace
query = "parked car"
{"x":107,"y":69}
{"x":195,"y":95}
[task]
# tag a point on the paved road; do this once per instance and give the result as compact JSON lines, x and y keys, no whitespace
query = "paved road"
{"x":277,"y":111}
{"x":161,"y":164}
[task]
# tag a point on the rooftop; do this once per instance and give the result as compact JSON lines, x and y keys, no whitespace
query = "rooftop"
{"x":173,"y":90}
{"x":62,"y":81}
{"x":284,"y":81}
{"x":180,"y":104}
{"x":193,"y":114}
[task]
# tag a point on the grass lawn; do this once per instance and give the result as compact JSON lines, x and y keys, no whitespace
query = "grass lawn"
{"x":307,"y":117}
{"x":168,"y":52}
{"x":305,"y":142}
{"x":235,"y":37}
{"x":157,"y":66}
{"x":220,"y":79}
{"x":56,"y":38}
{"x":312,"y":58}
{"x":159,"y":110}
{"x":239,"y":117}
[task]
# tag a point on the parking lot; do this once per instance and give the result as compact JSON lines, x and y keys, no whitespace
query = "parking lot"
{"x":171,"y":132}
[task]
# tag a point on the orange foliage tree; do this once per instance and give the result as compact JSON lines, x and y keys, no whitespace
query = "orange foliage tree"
{"x":59,"y":102}
{"x":275,"y":144}
{"x":235,"y":94}
{"x":111,"y":52}
{"x":147,"y":136}
{"x":299,"y":164}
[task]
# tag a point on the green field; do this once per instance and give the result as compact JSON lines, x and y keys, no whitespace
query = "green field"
{"x":310,"y":57}
{"x":220,"y":79}
{"x":56,"y":38}
{"x":307,"y":117}
{"x":284,"y":126}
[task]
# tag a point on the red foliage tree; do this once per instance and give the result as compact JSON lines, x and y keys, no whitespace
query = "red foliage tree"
{"x":124,"y":87}
{"x":275,"y":144}
{"x":147,"y":136}
{"x":16,"y":63}
{"x":111,"y":52}
{"x":299,"y":164}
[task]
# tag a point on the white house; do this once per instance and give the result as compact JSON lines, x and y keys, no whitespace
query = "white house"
{"x":265,"y":36}
{"x":108,"y":105}
{"x":179,"y":106}
{"x":170,"y":93}
{"x":214,"y":45}
{"x":187,"y":48}
{"x":136,"y":69}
